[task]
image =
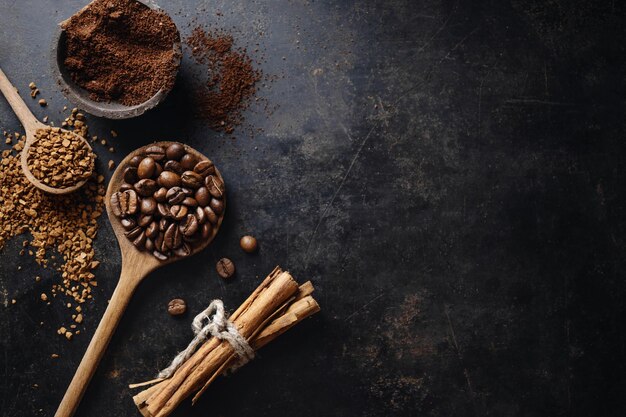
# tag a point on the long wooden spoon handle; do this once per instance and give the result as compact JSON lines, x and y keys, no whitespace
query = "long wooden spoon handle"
{"x":17,"y":104}
{"x":95,"y":351}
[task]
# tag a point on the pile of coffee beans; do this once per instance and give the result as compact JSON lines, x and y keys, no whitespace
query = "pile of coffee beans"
{"x":169,"y":201}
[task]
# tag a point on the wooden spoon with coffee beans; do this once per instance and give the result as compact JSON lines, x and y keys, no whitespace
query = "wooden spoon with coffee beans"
{"x":31,"y":126}
{"x":137,"y":263}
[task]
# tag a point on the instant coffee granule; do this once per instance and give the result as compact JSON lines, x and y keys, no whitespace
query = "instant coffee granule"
{"x":231,"y":81}
{"x":121,"y":50}
{"x":59,"y":158}
{"x":66,"y":225}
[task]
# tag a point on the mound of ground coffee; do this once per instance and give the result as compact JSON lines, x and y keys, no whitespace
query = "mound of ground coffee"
{"x":120,"y":50}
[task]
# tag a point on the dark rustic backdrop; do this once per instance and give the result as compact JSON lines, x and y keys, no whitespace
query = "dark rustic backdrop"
{"x":450,"y":174}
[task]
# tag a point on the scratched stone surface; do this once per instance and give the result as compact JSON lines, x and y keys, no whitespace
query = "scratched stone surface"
{"x":449,"y":174}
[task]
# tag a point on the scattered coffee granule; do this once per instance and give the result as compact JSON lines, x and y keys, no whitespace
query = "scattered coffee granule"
{"x":121,"y":50}
{"x":59,"y":158}
{"x":65,"y":224}
{"x":231,"y":78}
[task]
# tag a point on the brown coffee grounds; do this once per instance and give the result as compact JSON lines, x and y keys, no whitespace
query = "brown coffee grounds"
{"x":231,"y":78}
{"x":120,"y":50}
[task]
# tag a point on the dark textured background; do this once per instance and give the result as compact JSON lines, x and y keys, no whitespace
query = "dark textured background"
{"x":450,"y":174}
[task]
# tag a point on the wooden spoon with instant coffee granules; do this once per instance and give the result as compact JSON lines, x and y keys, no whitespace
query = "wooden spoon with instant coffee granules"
{"x":136,"y":265}
{"x":32,"y":126}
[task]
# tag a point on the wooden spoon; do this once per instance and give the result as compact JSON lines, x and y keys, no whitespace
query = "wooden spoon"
{"x":136,"y":265}
{"x":31,"y":126}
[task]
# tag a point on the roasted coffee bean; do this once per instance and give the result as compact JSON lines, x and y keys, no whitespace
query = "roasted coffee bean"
{"x":205,"y":230}
{"x":129,"y":223}
{"x":155,"y":152}
{"x":126,"y":186}
{"x":174,"y":166}
{"x":175,"y":195}
{"x":200,"y":215}
{"x":124,"y":202}
{"x":215,"y":186}
{"x":159,"y":243}
{"x":178,"y":212}
{"x":210,"y":215}
{"x":177,"y":306}
{"x":175,"y":151}
{"x":188,"y":161}
{"x":190,"y":225}
{"x":160,"y":195}
{"x":146,"y":187}
{"x":191,"y":179}
{"x":140,"y":241}
{"x":152,"y":230}
{"x":130,"y":175}
{"x":204,"y":168}
{"x":134,"y":161}
{"x":160,"y":256}
{"x":169,"y":179}
{"x":202,"y":196}
{"x":248,"y":244}
{"x":163,"y":209}
{"x":115,"y":203}
{"x":145,"y":220}
{"x":183,"y":250}
{"x":146,"y":168}
{"x":132,"y":234}
{"x":173,"y":237}
{"x":217,"y":205}
{"x":149,"y":245}
{"x":188,"y":192}
{"x":193,"y":238}
{"x":225,"y":268}
{"x":157,"y":169}
{"x":148,"y":205}
{"x":163,"y":225}
{"x":190,"y":202}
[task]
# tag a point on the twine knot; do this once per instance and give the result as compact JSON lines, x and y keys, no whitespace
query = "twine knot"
{"x":212,"y":321}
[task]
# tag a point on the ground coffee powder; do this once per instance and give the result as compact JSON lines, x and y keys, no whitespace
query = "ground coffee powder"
{"x":231,"y":81}
{"x":120,"y":50}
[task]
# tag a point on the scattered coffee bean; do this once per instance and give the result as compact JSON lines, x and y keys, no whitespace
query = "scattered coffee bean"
{"x":225,"y":268}
{"x":248,"y":244}
{"x":170,"y":200}
{"x":177,"y":306}
{"x":175,"y":151}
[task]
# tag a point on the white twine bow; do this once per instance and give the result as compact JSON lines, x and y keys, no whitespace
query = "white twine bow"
{"x":217,"y":326}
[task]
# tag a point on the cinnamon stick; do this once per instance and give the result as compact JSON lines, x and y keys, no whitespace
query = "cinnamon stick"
{"x":274,"y":307}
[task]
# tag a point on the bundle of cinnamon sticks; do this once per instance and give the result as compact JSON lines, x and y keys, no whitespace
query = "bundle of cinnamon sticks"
{"x":275,"y":306}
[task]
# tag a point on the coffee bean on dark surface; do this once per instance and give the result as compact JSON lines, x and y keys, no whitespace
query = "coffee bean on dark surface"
{"x":248,"y":244}
{"x":176,"y":307}
{"x":225,"y":268}
{"x":164,"y":203}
